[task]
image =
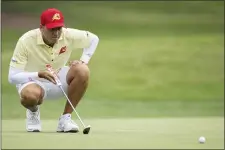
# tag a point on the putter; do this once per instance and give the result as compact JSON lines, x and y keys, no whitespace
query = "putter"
{"x":58,"y":82}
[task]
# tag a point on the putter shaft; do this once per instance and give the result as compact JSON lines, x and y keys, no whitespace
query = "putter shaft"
{"x":60,"y":86}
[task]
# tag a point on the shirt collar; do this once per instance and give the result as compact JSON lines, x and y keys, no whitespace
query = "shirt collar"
{"x":40,"y":39}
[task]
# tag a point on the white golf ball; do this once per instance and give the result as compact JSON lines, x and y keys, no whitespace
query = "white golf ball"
{"x":202,"y":139}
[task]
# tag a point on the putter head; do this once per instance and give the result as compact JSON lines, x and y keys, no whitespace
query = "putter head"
{"x":86,"y":129}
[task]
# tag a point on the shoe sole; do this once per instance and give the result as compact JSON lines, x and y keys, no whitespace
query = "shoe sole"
{"x":34,"y":131}
{"x":71,"y":131}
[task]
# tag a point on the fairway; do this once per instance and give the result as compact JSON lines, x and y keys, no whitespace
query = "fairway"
{"x":166,"y":133}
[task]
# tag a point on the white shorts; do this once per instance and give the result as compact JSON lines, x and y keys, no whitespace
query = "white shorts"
{"x":51,"y":90}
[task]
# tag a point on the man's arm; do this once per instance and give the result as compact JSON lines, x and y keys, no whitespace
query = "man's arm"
{"x":85,"y":40}
{"x":18,"y":76}
{"x":89,"y":51}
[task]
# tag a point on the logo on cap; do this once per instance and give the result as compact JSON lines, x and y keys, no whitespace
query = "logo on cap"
{"x":56,"y":17}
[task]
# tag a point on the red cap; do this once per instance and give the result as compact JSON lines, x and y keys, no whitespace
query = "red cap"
{"x":52,"y":18}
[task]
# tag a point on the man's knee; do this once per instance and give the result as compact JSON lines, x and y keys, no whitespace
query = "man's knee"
{"x":80,"y":71}
{"x":31,"y":95}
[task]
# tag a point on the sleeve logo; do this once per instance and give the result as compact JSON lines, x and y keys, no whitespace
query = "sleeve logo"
{"x":13,"y":60}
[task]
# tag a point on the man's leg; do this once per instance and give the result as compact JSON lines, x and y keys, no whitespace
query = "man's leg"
{"x":32,"y":96}
{"x":77,"y":80}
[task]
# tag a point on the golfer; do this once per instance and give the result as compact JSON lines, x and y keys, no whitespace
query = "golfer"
{"x":52,"y":44}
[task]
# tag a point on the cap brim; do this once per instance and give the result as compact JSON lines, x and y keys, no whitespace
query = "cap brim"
{"x":54,"y":25}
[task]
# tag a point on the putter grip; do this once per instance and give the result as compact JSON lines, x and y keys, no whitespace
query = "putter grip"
{"x":50,"y":69}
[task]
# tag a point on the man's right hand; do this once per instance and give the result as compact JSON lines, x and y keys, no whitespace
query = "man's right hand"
{"x":46,"y":75}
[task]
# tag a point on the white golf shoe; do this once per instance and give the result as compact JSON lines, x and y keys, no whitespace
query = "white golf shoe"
{"x":33,"y":122}
{"x":66,"y":124}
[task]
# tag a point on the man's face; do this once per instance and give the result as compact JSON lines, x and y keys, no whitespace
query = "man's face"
{"x":50,"y":36}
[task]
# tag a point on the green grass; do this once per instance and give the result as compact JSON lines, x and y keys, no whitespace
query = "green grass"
{"x":119,"y":108}
{"x":148,"y":133}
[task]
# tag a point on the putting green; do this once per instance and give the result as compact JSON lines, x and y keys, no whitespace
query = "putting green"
{"x":120,"y":133}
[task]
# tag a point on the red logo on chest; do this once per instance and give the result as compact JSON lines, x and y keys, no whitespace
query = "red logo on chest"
{"x":62,"y":50}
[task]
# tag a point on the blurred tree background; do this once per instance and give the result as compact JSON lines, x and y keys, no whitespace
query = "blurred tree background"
{"x":162,"y":58}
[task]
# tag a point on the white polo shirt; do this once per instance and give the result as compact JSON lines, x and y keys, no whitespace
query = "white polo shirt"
{"x":31,"y":54}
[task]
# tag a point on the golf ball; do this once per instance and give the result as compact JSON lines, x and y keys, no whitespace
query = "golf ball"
{"x":201,"y":139}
